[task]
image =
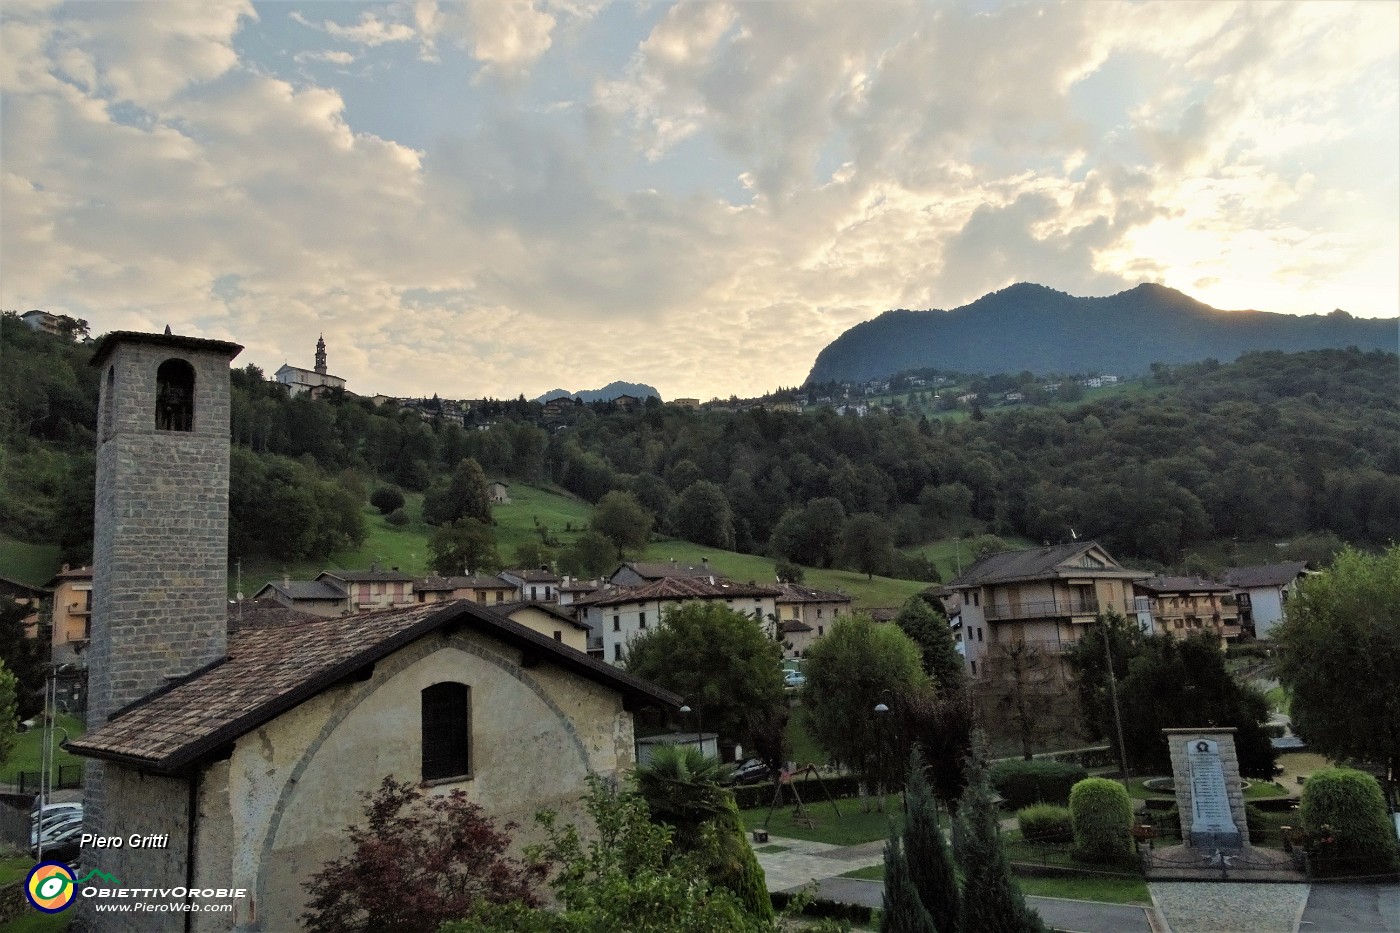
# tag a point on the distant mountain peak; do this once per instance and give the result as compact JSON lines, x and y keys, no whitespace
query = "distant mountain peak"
{"x":1026,"y":326}
{"x":606,"y":394}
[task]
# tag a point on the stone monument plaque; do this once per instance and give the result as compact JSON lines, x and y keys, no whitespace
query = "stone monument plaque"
{"x":1210,"y":800}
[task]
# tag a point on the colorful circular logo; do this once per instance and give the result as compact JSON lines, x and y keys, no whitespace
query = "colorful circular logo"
{"x":50,"y":887}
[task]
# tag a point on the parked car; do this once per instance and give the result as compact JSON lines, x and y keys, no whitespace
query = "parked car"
{"x":752,"y":771}
{"x":54,"y":808}
{"x":54,"y":825}
{"x":62,"y":844}
{"x":794,"y":679}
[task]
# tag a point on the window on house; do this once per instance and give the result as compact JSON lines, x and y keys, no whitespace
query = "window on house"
{"x":175,"y":396}
{"x":976,"y":599}
{"x":966,"y":600}
{"x":481,"y":597}
{"x":500,"y":597}
{"x":558,"y":635}
{"x":1178,"y":623}
{"x":819,"y":613}
{"x":617,"y":651}
{"x":820,"y":631}
{"x":447,"y":730}
{"x":549,"y":592}
{"x":974,"y":668}
{"x":532,"y":593}
{"x":642,"y":620}
{"x":617,"y":623}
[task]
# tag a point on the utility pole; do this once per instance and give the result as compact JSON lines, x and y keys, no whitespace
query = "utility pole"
{"x":1117,"y":714}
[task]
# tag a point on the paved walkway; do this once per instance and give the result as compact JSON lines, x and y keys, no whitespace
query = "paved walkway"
{"x":1178,"y":906}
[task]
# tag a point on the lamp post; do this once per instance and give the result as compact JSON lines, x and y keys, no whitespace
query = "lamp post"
{"x":699,"y":728}
{"x":882,"y":712}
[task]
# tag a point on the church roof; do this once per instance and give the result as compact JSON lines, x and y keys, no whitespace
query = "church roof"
{"x":267,"y":673}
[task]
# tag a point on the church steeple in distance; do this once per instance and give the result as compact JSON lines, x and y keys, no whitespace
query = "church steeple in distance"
{"x":321,"y":354}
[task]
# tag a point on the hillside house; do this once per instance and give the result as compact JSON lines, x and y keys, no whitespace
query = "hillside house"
{"x":1184,"y":606}
{"x":251,"y":751}
{"x":372,"y":588}
{"x":1262,"y":593}
{"x":324,"y":598}
{"x":1042,"y":597}
{"x":622,"y":613}
{"x":534,"y":585}
{"x":640,"y":573}
{"x":804,"y":614}
{"x":549,"y":620}
{"x":71,"y":624}
{"x":480,"y":588}
{"x":498,"y":493}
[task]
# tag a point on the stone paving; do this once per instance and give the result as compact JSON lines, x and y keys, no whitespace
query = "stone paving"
{"x":802,"y":862}
{"x":1229,"y":907}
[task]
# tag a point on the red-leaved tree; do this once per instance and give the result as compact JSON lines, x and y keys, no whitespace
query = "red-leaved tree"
{"x":417,"y":861}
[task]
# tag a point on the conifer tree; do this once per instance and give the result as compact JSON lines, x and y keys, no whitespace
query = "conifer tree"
{"x":925,"y":853}
{"x":991,"y":901}
{"x":902,"y":911}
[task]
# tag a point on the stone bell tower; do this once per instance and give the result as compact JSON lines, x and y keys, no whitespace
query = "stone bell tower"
{"x":160,"y":543}
{"x":321,"y":354}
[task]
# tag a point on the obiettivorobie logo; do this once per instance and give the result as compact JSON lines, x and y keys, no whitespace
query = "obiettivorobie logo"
{"x":51,"y":886}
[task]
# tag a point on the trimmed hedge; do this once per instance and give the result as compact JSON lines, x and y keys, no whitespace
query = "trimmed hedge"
{"x":1045,"y":823}
{"x":1349,"y":831}
{"x":1102,"y":815}
{"x":1024,"y":783}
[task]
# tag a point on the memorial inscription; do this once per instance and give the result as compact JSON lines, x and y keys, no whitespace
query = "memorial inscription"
{"x":1210,"y":801}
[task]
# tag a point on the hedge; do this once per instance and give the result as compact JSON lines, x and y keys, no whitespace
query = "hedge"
{"x":1349,"y":831}
{"x":1045,"y":823}
{"x":1023,"y":783}
{"x":1102,"y":815}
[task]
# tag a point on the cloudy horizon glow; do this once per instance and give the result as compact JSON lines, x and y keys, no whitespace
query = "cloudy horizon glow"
{"x":493,"y":198}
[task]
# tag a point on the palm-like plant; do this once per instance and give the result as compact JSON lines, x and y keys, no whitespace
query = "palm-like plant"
{"x":683,"y":787}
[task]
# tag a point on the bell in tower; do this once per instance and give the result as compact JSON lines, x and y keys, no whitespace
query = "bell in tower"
{"x":321,"y":354}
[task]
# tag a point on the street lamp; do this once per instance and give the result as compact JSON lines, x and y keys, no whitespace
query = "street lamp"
{"x":882,"y":711}
{"x":699,"y":727}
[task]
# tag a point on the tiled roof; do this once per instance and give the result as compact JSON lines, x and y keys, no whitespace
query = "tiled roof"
{"x":1039,"y":563}
{"x":264,"y":613}
{"x":76,"y":573}
{"x":794,"y":625}
{"x":883,"y":615}
{"x":306,"y":589}
{"x":1265,"y":574}
{"x":659,"y":570}
{"x":676,"y":589}
{"x":474,"y":581}
{"x":266,"y":674}
{"x":1181,"y":585}
{"x":533,"y":576}
{"x":367,"y":576}
{"x":797,"y":593}
{"x":563,"y":615}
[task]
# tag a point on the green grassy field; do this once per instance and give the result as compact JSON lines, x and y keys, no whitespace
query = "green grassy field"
{"x":31,"y":921}
{"x":34,"y":564}
{"x":852,"y":827}
{"x":952,"y":555}
{"x":28,"y":746}
{"x":1109,"y":889}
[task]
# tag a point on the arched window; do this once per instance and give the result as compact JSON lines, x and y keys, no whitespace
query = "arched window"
{"x":447,"y":731}
{"x":175,"y":396}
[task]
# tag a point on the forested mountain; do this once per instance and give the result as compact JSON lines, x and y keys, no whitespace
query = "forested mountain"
{"x":1272,"y":447}
{"x":1034,"y":328}
{"x":606,"y":394}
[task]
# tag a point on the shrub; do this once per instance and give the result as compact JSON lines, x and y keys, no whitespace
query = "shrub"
{"x":1046,"y":823}
{"x":1102,"y":816}
{"x":1023,"y":783}
{"x":386,"y":499}
{"x":1348,"y":829}
{"x":398,"y":518}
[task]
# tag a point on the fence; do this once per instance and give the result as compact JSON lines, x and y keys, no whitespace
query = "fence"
{"x":66,"y":776}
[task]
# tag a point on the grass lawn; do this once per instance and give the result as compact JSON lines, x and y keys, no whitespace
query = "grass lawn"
{"x":28,"y":745}
{"x":1279,"y":699}
{"x":31,"y":921}
{"x":14,"y":868}
{"x":852,"y":827}
{"x":1262,"y":790}
{"x":948,"y":554}
{"x":802,"y":748}
{"x":34,"y":564}
{"x":868,"y":873}
{"x":1110,"y":889}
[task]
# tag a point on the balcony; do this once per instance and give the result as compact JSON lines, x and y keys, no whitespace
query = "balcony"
{"x":1041,"y":609}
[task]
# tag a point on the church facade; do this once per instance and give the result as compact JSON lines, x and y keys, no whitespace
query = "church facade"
{"x":315,"y":382}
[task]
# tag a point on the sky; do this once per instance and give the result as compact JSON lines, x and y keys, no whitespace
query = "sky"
{"x":494,"y":198}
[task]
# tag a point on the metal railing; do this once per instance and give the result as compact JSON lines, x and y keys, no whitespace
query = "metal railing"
{"x":1041,"y":608}
{"x":65,"y":776}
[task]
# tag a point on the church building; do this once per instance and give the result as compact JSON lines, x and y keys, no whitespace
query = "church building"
{"x":248,"y":750}
{"x":316,"y":381}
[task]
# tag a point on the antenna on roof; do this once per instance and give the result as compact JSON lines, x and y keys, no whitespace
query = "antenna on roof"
{"x":1072,"y":535}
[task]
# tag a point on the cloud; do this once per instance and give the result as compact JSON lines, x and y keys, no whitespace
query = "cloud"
{"x":370,"y":30}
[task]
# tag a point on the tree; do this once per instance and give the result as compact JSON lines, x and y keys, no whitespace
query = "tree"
{"x":628,"y":877}
{"x":901,"y":910}
{"x":702,"y":515}
{"x":464,"y":495}
{"x":9,"y":712}
{"x":929,"y":864}
{"x":682,"y":788}
{"x":851,"y":670}
{"x":928,"y":628}
{"x":417,"y":862}
{"x":1340,"y":628}
{"x":721,"y":661}
{"x":530,"y":553}
{"x":620,"y":518}
{"x":867,"y":545}
{"x":590,"y":555}
{"x":788,"y":572}
{"x":386,"y":499}
{"x":1173,"y":683}
{"x":22,"y":657}
{"x":942,"y":723}
{"x":464,"y":546}
{"x":1022,"y":689}
{"x":991,"y":900}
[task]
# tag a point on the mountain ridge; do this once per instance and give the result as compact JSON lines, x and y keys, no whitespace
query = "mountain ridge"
{"x":606,"y":394}
{"x":1027,"y":326}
